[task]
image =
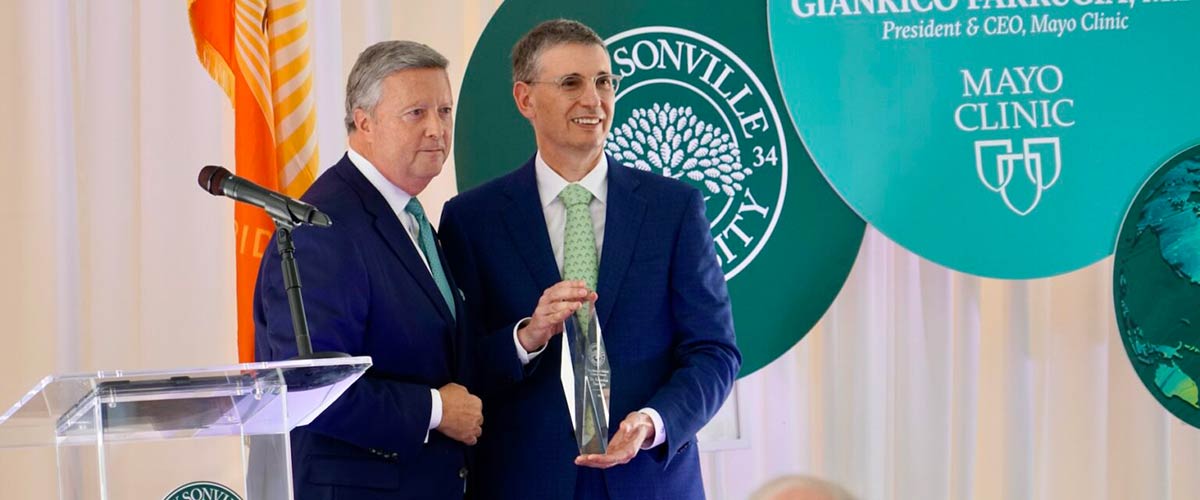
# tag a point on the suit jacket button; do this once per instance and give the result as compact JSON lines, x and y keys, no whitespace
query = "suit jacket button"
{"x":462,"y":473}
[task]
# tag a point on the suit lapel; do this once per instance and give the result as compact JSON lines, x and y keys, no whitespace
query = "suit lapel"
{"x":622,"y":223}
{"x":459,"y":309}
{"x":526,"y":224}
{"x":394,"y":234}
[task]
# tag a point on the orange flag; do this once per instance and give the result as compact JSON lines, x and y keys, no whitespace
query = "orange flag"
{"x":258,"y":52}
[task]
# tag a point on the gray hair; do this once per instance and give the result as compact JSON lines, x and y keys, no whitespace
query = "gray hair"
{"x":543,"y":36}
{"x":377,"y":63}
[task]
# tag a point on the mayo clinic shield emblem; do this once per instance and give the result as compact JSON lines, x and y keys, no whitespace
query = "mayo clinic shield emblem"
{"x":995,"y":161}
{"x":690,"y":109}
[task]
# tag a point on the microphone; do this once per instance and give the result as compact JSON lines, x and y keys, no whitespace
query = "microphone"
{"x":221,"y":182}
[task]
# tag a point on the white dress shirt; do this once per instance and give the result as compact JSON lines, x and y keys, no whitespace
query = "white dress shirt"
{"x":397,"y":199}
{"x":549,"y":185}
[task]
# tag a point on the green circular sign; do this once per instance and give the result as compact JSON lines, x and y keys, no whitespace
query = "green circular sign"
{"x":1001,"y":138}
{"x":1156,"y":285}
{"x":707,"y":121}
{"x":699,"y":103}
{"x":203,"y":490}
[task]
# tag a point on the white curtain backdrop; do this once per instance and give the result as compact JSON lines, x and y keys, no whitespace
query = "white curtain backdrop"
{"x":924,"y":383}
{"x":920,"y":383}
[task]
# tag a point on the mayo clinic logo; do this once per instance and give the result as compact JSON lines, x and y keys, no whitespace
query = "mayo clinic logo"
{"x":1012,"y":100}
{"x":1031,"y":160}
{"x":692,"y":110}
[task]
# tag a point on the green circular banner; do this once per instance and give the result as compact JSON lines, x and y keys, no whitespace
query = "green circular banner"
{"x":698,"y":102}
{"x":203,"y":490}
{"x":1001,"y":138}
{"x":1156,"y":285}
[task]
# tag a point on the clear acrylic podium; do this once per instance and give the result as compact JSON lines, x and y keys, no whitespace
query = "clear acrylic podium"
{"x":142,"y":435}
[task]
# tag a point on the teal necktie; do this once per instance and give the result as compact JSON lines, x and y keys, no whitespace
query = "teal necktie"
{"x":429,"y":247}
{"x":579,"y":240}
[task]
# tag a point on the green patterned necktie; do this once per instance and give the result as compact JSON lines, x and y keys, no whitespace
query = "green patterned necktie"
{"x":579,"y":241}
{"x":429,"y":248}
{"x":579,"y":263}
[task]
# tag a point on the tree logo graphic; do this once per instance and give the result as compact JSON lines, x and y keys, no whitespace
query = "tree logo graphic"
{"x":690,"y":109}
{"x":673,"y":142}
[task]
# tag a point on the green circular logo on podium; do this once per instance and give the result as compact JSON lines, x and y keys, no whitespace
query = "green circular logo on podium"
{"x":1001,"y":138}
{"x":203,"y":490}
{"x":699,"y":103}
{"x":1156,"y":285}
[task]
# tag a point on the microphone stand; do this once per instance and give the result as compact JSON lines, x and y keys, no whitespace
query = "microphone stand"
{"x":291,"y":282}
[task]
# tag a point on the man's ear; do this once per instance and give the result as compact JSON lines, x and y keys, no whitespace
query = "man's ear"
{"x":362,"y":121}
{"x":523,"y":96}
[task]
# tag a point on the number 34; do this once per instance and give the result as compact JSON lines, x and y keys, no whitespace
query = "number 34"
{"x":759,"y":159}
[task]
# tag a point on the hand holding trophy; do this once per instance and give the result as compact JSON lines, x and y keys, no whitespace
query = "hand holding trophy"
{"x":590,"y":379}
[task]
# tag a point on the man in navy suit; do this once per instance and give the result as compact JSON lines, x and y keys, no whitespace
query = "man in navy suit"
{"x":375,"y":284}
{"x":571,"y":226}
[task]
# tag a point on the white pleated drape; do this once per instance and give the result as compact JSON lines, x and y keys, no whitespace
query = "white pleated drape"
{"x":920,"y":383}
{"x":924,"y":383}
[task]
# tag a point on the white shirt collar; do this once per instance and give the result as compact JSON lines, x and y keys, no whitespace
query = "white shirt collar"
{"x":396,"y":198}
{"x":550,"y":184}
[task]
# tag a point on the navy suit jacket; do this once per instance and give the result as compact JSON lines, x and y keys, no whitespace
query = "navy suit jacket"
{"x":665,"y":314}
{"x":367,"y":293}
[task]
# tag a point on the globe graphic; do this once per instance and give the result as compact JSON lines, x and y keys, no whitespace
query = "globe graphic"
{"x":1156,"y":285}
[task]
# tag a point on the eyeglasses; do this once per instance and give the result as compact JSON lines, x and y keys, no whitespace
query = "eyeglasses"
{"x":572,"y":86}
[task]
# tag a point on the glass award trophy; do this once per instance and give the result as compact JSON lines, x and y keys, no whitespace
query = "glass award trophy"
{"x":590,"y":376}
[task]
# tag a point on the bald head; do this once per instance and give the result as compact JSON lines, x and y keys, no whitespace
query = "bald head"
{"x":801,"y":488}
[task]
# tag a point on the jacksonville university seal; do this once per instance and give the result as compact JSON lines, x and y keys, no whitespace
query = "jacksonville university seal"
{"x":692,"y":110}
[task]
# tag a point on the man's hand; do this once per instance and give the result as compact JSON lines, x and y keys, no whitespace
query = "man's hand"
{"x":462,"y":414}
{"x":635,"y":430}
{"x":556,"y":305}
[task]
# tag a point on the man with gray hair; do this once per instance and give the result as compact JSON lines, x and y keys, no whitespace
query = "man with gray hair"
{"x":376,"y":284}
